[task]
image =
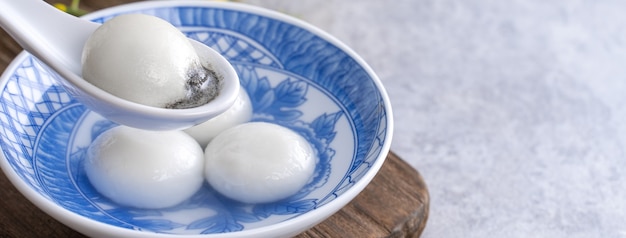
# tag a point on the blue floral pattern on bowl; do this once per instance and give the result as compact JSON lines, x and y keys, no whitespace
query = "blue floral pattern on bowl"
{"x":294,"y":77}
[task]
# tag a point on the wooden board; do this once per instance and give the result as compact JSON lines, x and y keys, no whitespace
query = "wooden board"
{"x":395,"y":204}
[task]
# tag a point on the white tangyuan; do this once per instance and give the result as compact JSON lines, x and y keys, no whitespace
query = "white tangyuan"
{"x":240,"y":112}
{"x":146,"y":60}
{"x":145,"y":169}
{"x":259,"y":162}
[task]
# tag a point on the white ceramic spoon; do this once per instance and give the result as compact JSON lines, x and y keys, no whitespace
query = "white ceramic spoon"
{"x":57,"y":39}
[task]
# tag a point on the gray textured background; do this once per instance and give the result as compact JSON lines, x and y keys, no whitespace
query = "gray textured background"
{"x":513,"y":111}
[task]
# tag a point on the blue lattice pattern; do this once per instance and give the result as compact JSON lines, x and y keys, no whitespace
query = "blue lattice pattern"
{"x":29,"y":99}
{"x":236,"y":48}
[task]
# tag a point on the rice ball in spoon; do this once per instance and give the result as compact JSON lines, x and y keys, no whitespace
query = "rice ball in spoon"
{"x":259,"y":162}
{"x":145,"y":169}
{"x":145,"y":59}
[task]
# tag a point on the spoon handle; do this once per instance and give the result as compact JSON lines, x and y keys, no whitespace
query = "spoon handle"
{"x":46,"y":32}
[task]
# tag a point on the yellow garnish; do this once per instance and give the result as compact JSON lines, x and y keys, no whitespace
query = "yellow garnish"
{"x":72,"y":9}
{"x":61,"y":6}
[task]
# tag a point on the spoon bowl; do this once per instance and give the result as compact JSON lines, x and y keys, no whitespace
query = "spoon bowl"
{"x":57,"y":39}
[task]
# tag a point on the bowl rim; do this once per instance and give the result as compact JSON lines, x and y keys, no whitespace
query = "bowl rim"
{"x":88,"y":226}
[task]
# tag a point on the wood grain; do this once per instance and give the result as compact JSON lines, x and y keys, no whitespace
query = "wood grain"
{"x":395,"y":204}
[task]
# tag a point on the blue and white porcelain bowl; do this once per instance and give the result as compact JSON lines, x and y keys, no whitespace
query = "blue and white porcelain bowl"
{"x":296,"y":75}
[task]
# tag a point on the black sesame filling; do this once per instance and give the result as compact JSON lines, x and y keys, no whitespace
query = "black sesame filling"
{"x":202,"y":85}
